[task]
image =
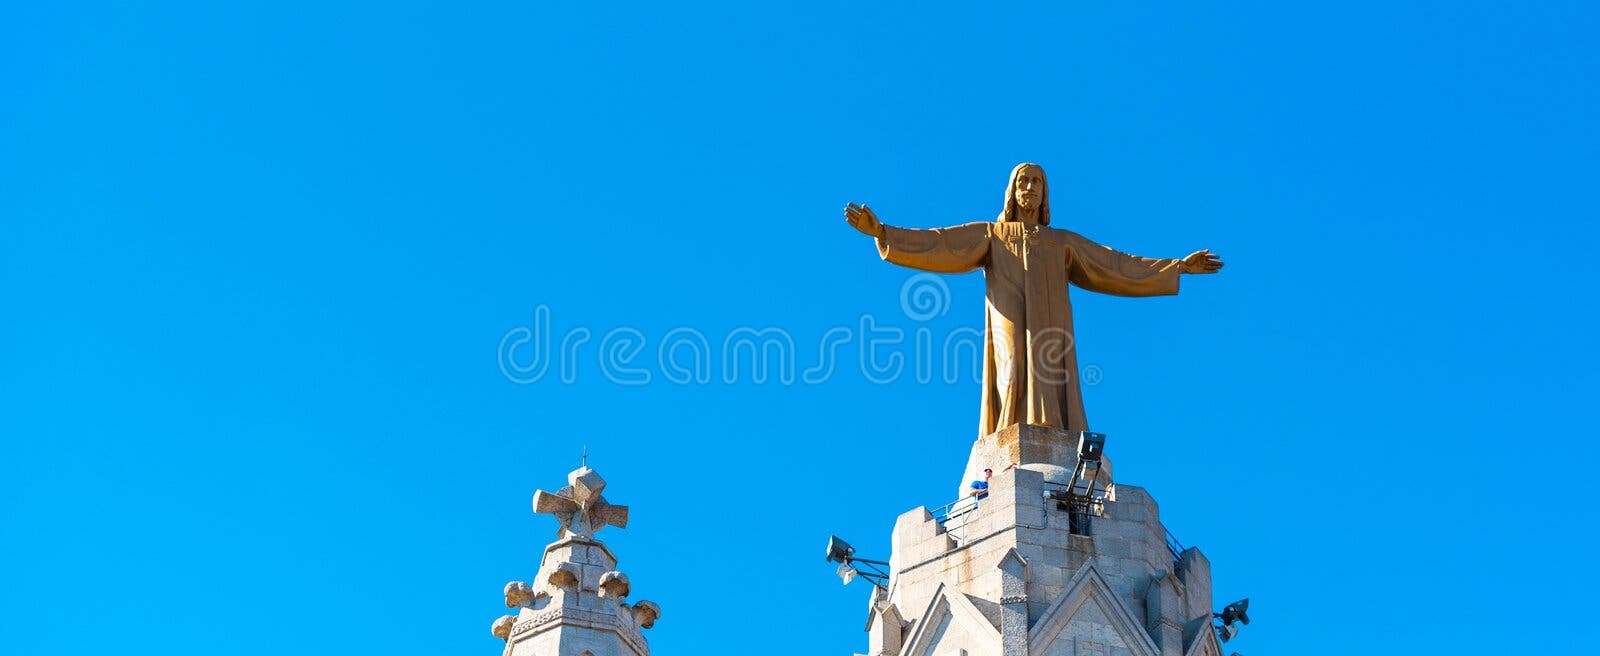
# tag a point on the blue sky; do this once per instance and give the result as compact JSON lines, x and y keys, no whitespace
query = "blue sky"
{"x":258,"y":262}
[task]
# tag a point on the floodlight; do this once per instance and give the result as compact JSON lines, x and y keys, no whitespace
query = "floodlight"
{"x":1235,"y":611}
{"x":1086,"y":480}
{"x":1086,"y":476}
{"x":1226,"y":633}
{"x":1091,"y":445}
{"x":850,"y":566}
{"x":839,"y":551}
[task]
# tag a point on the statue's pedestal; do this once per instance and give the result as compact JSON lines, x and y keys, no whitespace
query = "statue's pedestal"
{"x":1052,"y":452}
{"x":1019,"y":576}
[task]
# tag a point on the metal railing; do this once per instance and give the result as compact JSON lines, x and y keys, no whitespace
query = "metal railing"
{"x":954,"y":516}
{"x":1174,"y":546}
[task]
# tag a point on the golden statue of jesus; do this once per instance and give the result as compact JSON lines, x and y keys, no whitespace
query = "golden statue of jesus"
{"x":1030,"y":360}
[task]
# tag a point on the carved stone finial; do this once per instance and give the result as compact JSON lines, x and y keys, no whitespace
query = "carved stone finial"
{"x":564,"y":576}
{"x":502,"y":627}
{"x":518,"y":594}
{"x":579,"y":506}
{"x":614,"y":584}
{"x":645,"y":613}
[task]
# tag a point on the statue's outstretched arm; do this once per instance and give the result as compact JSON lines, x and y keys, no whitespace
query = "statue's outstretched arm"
{"x":1100,"y":269}
{"x":957,"y":249}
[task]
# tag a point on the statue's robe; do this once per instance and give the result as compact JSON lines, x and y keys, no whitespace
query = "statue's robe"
{"x":1030,"y":371}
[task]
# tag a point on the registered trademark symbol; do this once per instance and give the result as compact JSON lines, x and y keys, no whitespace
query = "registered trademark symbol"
{"x":1092,"y":375}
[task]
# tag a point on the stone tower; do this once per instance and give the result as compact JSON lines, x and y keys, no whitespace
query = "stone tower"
{"x":1027,"y":571}
{"x":577,"y":604}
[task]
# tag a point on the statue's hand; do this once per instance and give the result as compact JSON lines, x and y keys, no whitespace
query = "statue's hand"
{"x":861,"y":218}
{"x":1202,"y":262}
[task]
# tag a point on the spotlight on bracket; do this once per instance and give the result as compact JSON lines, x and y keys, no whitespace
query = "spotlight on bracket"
{"x":1086,"y":493}
{"x":1086,"y":477}
{"x":1234,"y":612}
{"x":1091,"y":445}
{"x":839,"y":551}
{"x":850,"y":567}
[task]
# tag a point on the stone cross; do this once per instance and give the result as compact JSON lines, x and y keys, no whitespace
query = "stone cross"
{"x":579,"y":506}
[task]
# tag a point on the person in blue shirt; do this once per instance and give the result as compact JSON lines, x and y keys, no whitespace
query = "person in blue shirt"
{"x":980,"y":489}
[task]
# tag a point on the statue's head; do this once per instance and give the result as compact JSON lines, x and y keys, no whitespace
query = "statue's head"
{"x":1027,"y":195}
